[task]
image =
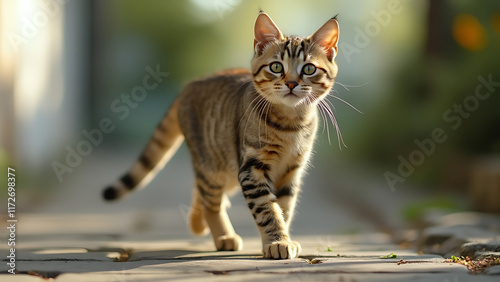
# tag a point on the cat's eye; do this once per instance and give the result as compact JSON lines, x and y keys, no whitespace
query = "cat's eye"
{"x":309,"y":69}
{"x":276,"y":67}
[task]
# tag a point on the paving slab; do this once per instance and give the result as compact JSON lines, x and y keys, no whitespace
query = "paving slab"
{"x":258,"y":270}
{"x":494,"y":270}
{"x":185,"y":257}
{"x":20,"y":278}
{"x":273,"y":277}
{"x":142,"y":277}
{"x":129,"y":253}
{"x":255,"y":276}
{"x":65,"y":254}
{"x":243,"y":264}
{"x":351,"y":258}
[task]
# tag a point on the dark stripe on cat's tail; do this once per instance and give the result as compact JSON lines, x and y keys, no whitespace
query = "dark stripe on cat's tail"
{"x":163,"y":144}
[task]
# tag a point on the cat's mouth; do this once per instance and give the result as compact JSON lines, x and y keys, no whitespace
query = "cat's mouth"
{"x":291,"y":95}
{"x":292,"y":99}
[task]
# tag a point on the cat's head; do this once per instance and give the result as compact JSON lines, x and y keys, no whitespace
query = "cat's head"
{"x":293,"y":70}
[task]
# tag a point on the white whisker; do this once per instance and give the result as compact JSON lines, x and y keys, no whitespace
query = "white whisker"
{"x":323,"y":117}
{"x":346,"y":87}
{"x":335,"y":123}
{"x":261,"y":101}
{"x":325,"y":106}
{"x":347,"y":103}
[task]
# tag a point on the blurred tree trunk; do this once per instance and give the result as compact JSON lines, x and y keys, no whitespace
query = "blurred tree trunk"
{"x":434,"y":42}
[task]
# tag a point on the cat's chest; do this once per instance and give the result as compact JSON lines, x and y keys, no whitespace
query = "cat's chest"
{"x":283,"y":148}
{"x":293,"y":151}
{"x":295,"y":140}
{"x":295,"y":145}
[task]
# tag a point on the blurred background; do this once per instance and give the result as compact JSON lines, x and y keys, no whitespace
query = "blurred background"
{"x":76,"y":111}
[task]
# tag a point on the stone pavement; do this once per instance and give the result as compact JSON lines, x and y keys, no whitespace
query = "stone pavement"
{"x":77,"y":237}
{"x":468,"y":234}
{"x":149,"y":257}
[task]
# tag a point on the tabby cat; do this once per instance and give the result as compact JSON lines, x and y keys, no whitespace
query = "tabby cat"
{"x":252,"y":130}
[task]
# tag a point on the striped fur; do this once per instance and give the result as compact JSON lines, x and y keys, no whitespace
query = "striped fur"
{"x":249,"y":130}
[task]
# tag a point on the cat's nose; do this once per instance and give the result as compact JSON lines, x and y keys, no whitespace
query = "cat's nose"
{"x":291,"y":84}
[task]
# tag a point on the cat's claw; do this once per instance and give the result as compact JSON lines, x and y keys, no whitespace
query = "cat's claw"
{"x":282,"y":250}
{"x":229,"y":243}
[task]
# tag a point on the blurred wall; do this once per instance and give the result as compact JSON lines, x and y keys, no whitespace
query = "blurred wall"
{"x":43,"y":58}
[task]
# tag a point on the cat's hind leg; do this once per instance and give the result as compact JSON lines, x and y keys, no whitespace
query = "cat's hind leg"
{"x":225,"y":238}
{"x":197,"y":222}
{"x":211,"y":202}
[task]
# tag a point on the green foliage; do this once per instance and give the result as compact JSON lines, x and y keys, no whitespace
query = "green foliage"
{"x":423,"y":86}
{"x":389,"y":256}
{"x":416,"y":210}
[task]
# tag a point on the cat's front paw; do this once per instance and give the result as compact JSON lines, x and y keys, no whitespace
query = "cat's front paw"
{"x":229,"y":243}
{"x":282,"y":250}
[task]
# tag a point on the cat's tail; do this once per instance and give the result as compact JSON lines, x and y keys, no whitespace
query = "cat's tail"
{"x":164,"y":143}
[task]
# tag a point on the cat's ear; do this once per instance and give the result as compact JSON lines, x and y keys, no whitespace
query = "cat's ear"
{"x":265,"y":31}
{"x":327,"y":37}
